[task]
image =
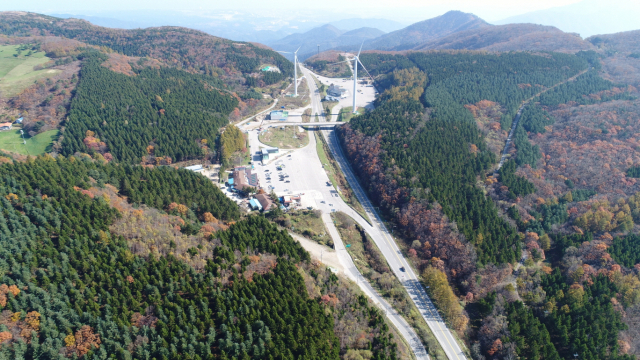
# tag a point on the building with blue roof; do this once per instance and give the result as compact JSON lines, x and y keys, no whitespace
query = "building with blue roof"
{"x":255,"y":204}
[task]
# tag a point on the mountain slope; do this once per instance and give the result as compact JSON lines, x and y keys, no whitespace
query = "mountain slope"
{"x":513,"y":37}
{"x":622,"y":42}
{"x":196,"y":49}
{"x":451,"y":22}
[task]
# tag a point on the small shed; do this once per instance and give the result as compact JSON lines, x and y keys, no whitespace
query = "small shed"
{"x":195,"y":168}
{"x":6,"y":126}
{"x":279,"y":115}
{"x":255,"y":204}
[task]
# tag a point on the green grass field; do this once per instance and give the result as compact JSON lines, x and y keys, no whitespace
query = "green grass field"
{"x":11,"y":141}
{"x":17,"y":73}
{"x":347,"y":113}
{"x":284,"y":139}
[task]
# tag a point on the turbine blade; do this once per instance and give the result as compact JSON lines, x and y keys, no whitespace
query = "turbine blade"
{"x":298,"y":49}
{"x":284,"y":52}
{"x":365,"y":69}
{"x":360,"y":49}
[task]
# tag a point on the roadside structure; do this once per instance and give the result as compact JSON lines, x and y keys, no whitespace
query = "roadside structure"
{"x":195,"y":168}
{"x":265,"y":201}
{"x":279,"y":115}
{"x":255,"y":204}
{"x":6,"y":126}
{"x":335,"y":93}
{"x":243,"y":178}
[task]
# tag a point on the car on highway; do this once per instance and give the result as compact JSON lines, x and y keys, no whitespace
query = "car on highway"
{"x":333,"y":210}
{"x":287,"y":181}
{"x":328,"y":183}
{"x":402,"y":269}
{"x":289,"y":155}
{"x":330,"y":204}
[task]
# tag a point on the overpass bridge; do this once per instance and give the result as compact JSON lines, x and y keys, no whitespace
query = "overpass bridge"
{"x":324,"y":124}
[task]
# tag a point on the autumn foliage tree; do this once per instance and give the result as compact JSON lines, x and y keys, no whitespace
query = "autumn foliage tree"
{"x":444,"y":298}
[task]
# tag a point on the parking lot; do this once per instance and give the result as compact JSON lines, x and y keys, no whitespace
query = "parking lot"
{"x":299,"y":172}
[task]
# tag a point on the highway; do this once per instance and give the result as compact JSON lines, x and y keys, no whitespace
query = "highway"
{"x":309,"y":124}
{"x":385,"y":242}
{"x":306,"y":175}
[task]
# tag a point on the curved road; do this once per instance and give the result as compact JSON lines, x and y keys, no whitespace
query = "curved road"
{"x":383,"y":239}
{"x":306,"y":174}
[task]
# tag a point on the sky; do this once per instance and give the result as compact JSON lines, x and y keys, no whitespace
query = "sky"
{"x":400,"y":10}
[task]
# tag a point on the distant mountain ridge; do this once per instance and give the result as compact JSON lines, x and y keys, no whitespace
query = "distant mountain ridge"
{"x":512,"y":37}
{"x":326,"y":37}
{"x":423,"y":31}
{"x":456,"y":30}
{"x":354,"y":23}
{"x":585,"y":17}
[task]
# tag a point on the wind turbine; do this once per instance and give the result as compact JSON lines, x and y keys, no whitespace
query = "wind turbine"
{"x":295,"y":69}
{"x":356,"y":60}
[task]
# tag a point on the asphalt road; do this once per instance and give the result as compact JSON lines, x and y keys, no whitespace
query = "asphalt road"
{"x":307,"y":176}
{"x":385,"y":242}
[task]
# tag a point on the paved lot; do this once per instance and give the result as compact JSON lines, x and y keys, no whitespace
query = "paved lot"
{"x":306,"y":175}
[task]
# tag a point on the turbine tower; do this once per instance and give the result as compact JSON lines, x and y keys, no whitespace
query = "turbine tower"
{"x":355,"y":79}
{"x":356,"y":60}
{"x":295,"y":69}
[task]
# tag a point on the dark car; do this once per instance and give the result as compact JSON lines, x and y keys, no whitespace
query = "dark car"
{"x":402,"y":269}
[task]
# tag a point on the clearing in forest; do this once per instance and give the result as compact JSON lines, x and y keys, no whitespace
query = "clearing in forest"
{"x":11,"y":141}
{"x":17,"y":69}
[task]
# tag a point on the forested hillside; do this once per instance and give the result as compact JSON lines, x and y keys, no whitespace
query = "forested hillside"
{"x":233,"y":67}
{"x":427,"y":155}
{"x":71,"y":287}
{"x":162,"y":113}
{"x":197,"y":51}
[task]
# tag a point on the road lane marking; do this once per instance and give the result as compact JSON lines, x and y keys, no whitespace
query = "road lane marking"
{"x":385,"y":236}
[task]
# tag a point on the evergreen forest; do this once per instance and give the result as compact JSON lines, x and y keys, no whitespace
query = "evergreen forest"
{"x":424,"y":160}
{"x":161,"y":112}
{"x":69,"y":288}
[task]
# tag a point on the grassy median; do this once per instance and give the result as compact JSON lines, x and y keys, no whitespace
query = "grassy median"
{"x":336,"y":177}
{"x":373,"y":266}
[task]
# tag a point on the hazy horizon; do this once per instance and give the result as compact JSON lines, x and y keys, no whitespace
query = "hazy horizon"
{"x":402,"y":10}
{"x":249,"y":20}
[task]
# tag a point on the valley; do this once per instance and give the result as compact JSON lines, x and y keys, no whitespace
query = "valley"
{"x":166,"y":195}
